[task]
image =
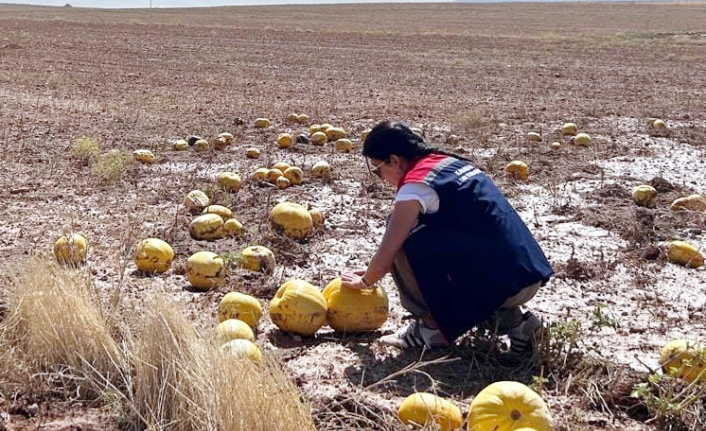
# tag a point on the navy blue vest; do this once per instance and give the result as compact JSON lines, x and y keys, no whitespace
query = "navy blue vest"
{"x":475,"y":252}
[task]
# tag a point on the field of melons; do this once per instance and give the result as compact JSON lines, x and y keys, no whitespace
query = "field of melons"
{"x":182,"y":188}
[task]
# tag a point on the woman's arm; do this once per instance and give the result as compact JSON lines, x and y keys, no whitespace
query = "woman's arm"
{"x":403,"y":218}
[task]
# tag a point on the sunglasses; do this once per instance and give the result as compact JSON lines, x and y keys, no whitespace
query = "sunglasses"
{"x":376,"y":169}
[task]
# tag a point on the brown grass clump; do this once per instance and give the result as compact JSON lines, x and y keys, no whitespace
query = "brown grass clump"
{"x":52,"y":325}
{"x":182,"y":381}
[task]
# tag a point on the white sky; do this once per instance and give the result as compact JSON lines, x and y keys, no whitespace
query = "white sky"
{"x":113,"y":4}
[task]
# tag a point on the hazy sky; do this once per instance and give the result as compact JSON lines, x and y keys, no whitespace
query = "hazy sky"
{"x":115,"y":4}
{"x":194,"y":3}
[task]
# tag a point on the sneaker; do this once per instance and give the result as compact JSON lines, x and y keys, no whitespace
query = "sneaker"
{"x":416,"y":334}
{"x":524,"y":335}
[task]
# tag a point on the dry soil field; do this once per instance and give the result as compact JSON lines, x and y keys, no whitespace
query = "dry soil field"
{"x":133,"y":79}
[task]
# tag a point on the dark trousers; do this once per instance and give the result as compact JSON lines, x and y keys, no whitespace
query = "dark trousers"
{"x":508,"y":316}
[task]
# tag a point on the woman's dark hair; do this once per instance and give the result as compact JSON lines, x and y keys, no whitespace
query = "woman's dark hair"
{"x":388,"y":138}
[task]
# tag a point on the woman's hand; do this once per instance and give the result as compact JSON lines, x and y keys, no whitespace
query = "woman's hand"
{"x":353,"y":279}
{"x":404,"y":217}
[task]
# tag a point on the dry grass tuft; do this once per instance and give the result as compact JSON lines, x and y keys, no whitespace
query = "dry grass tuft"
{"x":85,"y":149}
{"x":111,"y":167}
{"x":182,"y":381}
{"x":166,"y":376}
{"x":53,"y":325}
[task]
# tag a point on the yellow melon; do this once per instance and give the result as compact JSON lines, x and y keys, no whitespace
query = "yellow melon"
{"x":260,"y":174}
{"x":252,"y":153}
{"x":321,"y":169}
{"x":517,"y":169}
{"x":262,"y":123}
{"x":582,"y":139}
{"x":236,"y":305}
{"x":335,"y":133}
{"x":294,"y":174}
{"x":291,"y":219}
{"x":344,"y":145}
{"x":153,"y":255}
{"x":694,"y":202}
{"x":195,"y":201}
{"x":355,"y":310}
{"x":534,"y":137}
{"x":230,"y":181}
{"x":282,"y":183}
{"x":228,"y":137}
{"x":364,"y":134}
{"x":425,"y":409}
{"x":219,"y":210}
{"x":273,"y":174}
{"x":206,"y":227}
{"x":205,"y":270}
{"x":318,"y":139}
{"x":644,"y":194}
{"x":144,"y":156}
{"x":71,"y":249}
{"x":317,"y":217}
{"x":685,"y":253}
{"x":507,"y":406}
{"x":232,"y":227}
{"x":257,"y":258}
{"x":245,"y":349}
{"x":284,"y":140}
{"x":181,"y":145}
{"x":685,"y":359}
{"x":298,"y":307}
{"x":658,"y":124}
{"x":234,"y":329}
{"x":201,"y":145}
{"x":282,"y":166}
{"x":569,"y":129}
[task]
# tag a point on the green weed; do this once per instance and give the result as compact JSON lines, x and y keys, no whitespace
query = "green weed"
{"x":603,"y":318}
